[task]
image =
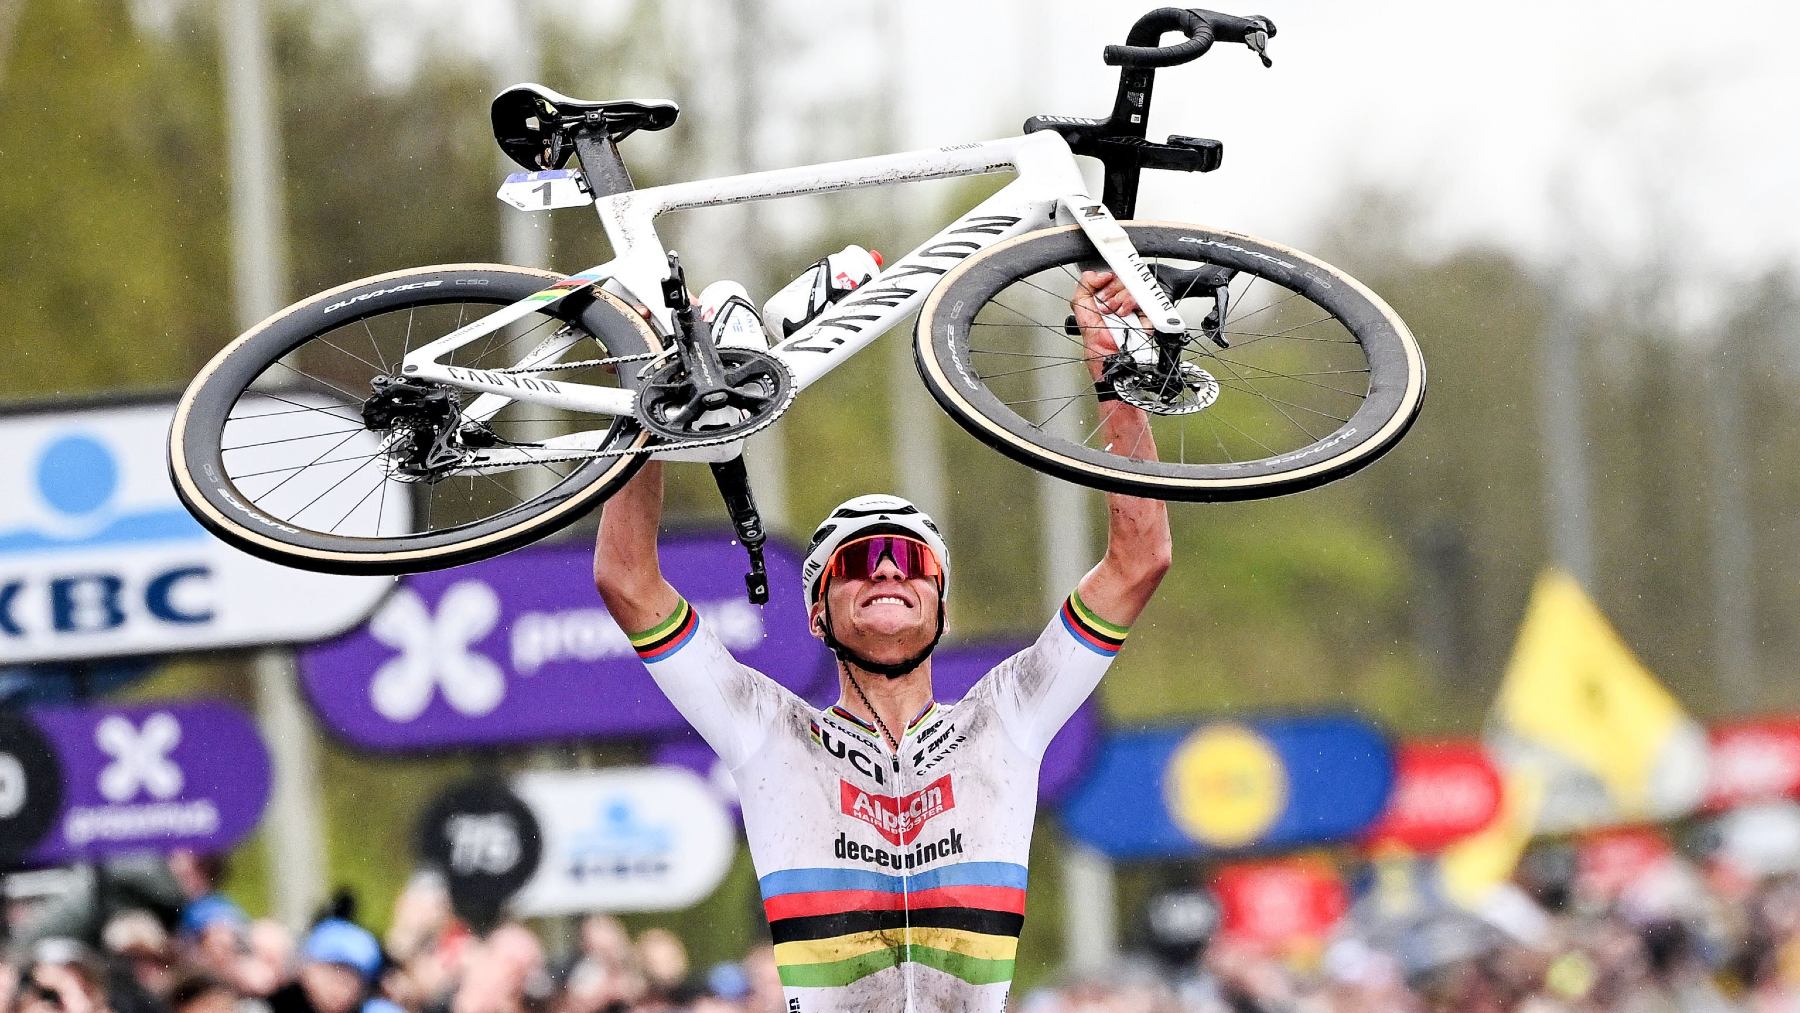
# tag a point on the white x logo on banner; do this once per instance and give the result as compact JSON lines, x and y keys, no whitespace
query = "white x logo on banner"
{"x":140,"y":756}
{"x":435,"y":652}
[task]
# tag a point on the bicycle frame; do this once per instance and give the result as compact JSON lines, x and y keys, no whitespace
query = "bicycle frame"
{"x":1048,"y":190}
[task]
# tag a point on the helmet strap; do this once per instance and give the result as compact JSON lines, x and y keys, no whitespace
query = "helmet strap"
{"x":891,"y":670}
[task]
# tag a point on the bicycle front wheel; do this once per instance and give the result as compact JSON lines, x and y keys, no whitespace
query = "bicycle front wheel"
{"x":272,"y":450}
{"x":1320,"y":377}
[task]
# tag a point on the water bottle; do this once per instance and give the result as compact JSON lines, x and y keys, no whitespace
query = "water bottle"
{"x":726,"y":306}
{"x":824,"y":283}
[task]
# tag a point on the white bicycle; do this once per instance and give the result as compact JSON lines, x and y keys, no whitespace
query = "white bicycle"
{"x":1264,"y":370}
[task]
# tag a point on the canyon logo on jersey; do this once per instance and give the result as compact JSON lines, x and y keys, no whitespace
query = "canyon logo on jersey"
{"x":898,"y":819}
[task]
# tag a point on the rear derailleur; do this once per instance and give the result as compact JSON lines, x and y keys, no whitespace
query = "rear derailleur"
{"x":425,"y":436}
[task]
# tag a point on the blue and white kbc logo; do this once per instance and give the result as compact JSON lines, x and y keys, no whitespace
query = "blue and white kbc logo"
{"x":98,"y":558}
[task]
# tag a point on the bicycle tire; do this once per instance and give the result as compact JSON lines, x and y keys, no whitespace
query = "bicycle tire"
{"x":197,"y":447}
{"x":948,"y":359}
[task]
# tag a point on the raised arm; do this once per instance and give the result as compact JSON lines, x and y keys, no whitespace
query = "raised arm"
{"x":1137,"y":531}
{"x":626,"y":569}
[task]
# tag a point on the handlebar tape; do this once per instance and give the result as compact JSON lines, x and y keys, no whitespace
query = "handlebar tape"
{"x":1202,"y":28}
{"x":1139,"y":50}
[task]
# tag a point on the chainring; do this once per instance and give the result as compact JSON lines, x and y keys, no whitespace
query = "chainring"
{"x":666,"y":390}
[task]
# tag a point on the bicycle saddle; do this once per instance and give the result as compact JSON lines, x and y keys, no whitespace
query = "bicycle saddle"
{"x":527,"y":118}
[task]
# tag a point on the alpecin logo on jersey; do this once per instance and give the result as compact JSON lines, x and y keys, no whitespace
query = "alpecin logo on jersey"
{"x":898,"y":819}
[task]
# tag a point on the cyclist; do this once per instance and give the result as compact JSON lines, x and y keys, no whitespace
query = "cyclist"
{"x":890,"y":832}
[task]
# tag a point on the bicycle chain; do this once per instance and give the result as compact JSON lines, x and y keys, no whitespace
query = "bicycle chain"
{"x":655,"y":448}
{"x":582,"y":364}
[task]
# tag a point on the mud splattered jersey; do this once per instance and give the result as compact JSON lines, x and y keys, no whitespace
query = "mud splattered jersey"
{"x":892,"y":881}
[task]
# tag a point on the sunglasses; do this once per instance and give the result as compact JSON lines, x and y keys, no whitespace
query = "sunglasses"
{"x":859,"y":559}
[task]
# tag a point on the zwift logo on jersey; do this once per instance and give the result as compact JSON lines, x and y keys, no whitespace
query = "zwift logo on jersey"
{"x":899,"y":820}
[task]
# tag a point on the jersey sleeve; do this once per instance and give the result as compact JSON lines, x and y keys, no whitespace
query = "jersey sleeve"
{"x":730,"y":704}
{"x":1038,"y":689}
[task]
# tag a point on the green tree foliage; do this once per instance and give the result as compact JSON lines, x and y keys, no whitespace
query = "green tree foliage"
{"x":113,"y":209}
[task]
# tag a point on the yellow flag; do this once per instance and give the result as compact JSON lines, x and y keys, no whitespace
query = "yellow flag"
{"x":1471,"y":867}
{"x":1608,"y":742}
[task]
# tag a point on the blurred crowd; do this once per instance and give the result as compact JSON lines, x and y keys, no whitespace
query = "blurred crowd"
{"x":1672,"y":940}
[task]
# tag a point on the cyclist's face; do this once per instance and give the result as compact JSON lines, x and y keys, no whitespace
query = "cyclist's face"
{"x":885,"y":617}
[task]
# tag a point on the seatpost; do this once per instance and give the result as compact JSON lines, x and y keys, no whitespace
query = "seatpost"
{"x":601,"y":164}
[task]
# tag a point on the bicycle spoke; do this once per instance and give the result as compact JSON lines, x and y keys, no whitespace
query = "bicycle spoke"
{"x":298,"y":407}
{"x":258,"y":501}
{"x":508,"y":343}
{"x":1298,"y":376}
{"x":286,"y":411}
{"x":381,"y":507}
{"x":335,"y":485}
{"x":1278,"y":407}
{"x":1290,"y":297}
{"x":380,"y":483}
{"x":1265,"y":396}
{"x":297,"y":467}
{"x":352,"y":398}
{"x":291,"y":439}
{"x":374,"y":345}
{"x":353,"y":355}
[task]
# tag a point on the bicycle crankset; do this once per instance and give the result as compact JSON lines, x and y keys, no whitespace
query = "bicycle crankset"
{"x":759,"y":389}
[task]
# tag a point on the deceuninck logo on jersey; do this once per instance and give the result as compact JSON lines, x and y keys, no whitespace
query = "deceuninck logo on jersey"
{"x":153,"y":778}
{"x":98,"y":558}
{"x":519,"y":649}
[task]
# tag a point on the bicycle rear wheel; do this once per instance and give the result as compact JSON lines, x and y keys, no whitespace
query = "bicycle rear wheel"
{"x":270,"y":448}
{"x":1320,"y":379}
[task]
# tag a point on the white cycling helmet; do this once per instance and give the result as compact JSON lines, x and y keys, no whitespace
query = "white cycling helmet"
{"x":871,"y":515}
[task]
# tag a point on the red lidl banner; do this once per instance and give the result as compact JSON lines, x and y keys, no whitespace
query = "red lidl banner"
{"x":1753,"y":761}
{"x":1280,"y":903}
{"x":1443,"y":791}
{"x":1608,"y":862}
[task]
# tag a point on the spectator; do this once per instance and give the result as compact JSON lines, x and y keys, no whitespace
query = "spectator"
{"x":62,"y":976}
{"x":340,"y":963}
{"x":201,"y":993}
{"x":140,"y":941}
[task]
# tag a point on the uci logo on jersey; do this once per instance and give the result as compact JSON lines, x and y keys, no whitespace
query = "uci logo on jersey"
{"x":837,"y":747}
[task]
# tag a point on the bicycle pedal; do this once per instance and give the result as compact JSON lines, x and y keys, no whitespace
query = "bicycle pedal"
{"x":674,"y":287}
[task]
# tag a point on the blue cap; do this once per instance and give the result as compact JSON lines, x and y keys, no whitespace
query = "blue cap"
{"x":212,"y":909}
{"x":335,"y":941}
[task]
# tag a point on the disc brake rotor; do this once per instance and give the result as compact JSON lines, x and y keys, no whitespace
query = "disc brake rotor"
{"x":1197,"y":390}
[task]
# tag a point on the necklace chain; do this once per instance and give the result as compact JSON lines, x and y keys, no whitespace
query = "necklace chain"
{"x":875,"y":713}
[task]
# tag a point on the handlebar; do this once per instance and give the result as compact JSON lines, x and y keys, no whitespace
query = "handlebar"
{"x":1202,"y":28}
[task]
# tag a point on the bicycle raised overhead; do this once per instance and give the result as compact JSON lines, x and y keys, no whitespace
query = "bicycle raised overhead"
{"x":511,"y":401}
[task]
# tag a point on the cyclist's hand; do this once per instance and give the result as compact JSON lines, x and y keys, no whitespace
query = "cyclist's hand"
{"x":1098,"y":293}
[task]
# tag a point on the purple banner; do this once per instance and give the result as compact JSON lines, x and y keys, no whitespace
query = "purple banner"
{"x":519,"y":649}
{"x":153,"y":778}
{"x":954,"y":670}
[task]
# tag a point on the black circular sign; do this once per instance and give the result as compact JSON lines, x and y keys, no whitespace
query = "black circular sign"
{"x":31,"y":790}
{"x":486,"y":842}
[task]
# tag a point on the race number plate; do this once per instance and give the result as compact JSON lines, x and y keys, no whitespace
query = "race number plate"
{"x":541,"y":191}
